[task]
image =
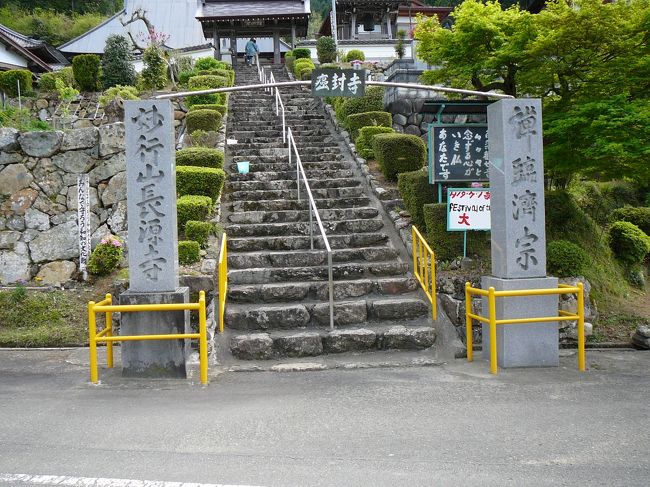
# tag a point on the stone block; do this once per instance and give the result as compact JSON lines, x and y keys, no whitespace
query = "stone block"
{"x":14,"y":266}
{"x":107,"y":168}
{"x":400,"y":120}
{"x":56,"y":273}
{"x":338,"y":341}
{"x":76,"y":162}
{"x":116,"y":190}
{"x":84,"y":138}
{"x":8,"y":139}
{"x":345,"y":313}
{"x":111,"y":139}
{"x":37,"y":220}
{"x":523,"y":345}
{"x":154,"y":358}
{"x":304,"y":344}
{"x":14,"y":178}
{"x":256,"y":346}
{"x":19,"y":202}
{"x":57,"y":243}
{"x":397,"y":309}
{"x":411,"y":338}
{"x":40,"y":144}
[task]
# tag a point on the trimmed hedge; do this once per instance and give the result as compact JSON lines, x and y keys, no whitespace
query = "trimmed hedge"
{"x":198,"y":232}
{"x":372,"y":101}
{"x":8,"y":82}
{"x":565,"y":259}
{"x":326,"y":50}
{"x":366,"y":136}
{"x":355,"y":121}
{"x":302,"y":64}
{"x":355,"y":55}
{"x":189,"y":252}
{"x":200,"y":157}
{"x":289,"y":60}
{"x":206,"y":82}
{"x":446,"y":245}
{"x":201,"y":181}
{"x":397,"y":153}
{"x":640,"y":216}
{"x":416,"y":191}
{"x":208,"y":120}
{"x":205,"y":63}
{"x":86,"y":71}
{"x":222,"y":109}
{"x":629,"y":243}
{"x":301,"y":53}
{"x":305,"y":74}
{"x":192,"y":207}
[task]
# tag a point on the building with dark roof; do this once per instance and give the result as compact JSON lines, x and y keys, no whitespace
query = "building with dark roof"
{"x":18,"y":51}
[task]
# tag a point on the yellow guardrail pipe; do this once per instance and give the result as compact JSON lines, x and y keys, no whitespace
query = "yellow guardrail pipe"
{"x":223,"y":280}
{"x":424,"y":268}
{"x":106,"y":335}
{"x":491,"y":320}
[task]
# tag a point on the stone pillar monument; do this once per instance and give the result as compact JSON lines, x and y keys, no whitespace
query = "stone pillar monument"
{"x":152,"y":242}
{"x":518,"y":235}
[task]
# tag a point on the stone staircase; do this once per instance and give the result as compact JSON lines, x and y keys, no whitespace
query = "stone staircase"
{"x":278,"y":290}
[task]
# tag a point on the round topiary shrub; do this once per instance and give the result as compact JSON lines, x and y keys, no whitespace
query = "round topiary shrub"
{"x":205,"y":63}
{"x":371,"y":101}
{"x":208,"y":120}
{"x":365,"y":138}
{"x":628,"y":242}
{"x":189,"y":252}
{"x":198,"y":232}
{"x":326,"y":50}
{"x":565,"y":259}
{"x":192,"y":207}
{"x":639,"y":215}
{"x":9,"y":81}
{"x":204,"y":181}
{"x":397,"y":153}
{"x":106,"y":256}
{"x":86,"y":71}
{"x":117,"y":62}
{"x":356,"y":121}
{"x":222,"y":109}
{"x":355,"y":55}
{"x":301,"y":53}
{"x":47,"y":82}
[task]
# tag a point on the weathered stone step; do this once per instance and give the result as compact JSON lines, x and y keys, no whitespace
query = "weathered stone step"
{"x":346,"y":192}
{"x":250,"y":244}
{"x":334,"y":214}
{"x":299,"y":291}
{"x":243,"y":155}
{"x":348,"y":270}
{"x":302,"y":228}
{"x":304,"y":258}
{"x":303,"y":204}
{"x":274,"y":165}
{"x":310,"y":343}
{"x":276,"y":148}
{"x":281,"y":184}
{"x":346,"y":313}
{"x":279,"y":175}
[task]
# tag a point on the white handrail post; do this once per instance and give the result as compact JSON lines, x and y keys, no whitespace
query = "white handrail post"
{"x":311,"y":225}
{"x":331,"y":287}
{"x":284,"y":139}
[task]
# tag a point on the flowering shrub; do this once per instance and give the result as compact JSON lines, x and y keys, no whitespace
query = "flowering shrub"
{"x":106,"y":256}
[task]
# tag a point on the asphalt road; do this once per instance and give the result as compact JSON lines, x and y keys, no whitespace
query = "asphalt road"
{"x":419,"y":426}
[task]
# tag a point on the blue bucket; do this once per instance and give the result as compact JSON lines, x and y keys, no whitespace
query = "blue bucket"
{"x":243,"y":167}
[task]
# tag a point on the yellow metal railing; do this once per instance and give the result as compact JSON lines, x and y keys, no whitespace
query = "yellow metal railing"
{"x":424,"y":268}
{"x":492,"y":321}
{"x":106,"y":335}
{"x":223,"y":280}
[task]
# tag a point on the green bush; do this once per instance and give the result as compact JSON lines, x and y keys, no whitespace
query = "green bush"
{"x":628,"y":242}
{"x":47,"y":82}
{"x":355,"y":55}
{"x":372,"y":101}
{"x":301,"y":65}
{"x":289,"y":60}
{"x":205,"y":82}
{"x":208,"y":62}
{"x":305,"y":74}
{"x":106,"y":256}
{"x":184,"y":77}
{"x":154,"y":73}
{"x":201,"y":181}
{"x":446,"y":245}
{"x":189,"y":252}
{"x":201,"y":138}
{"x":326,"y":50}
{"x":21,"y":120}
{"x":600,"y":199}
{"x":86,"y":71}
{"x":565,"y":259}
{"x":117,"y":62}
{"x":198,"y":232}
{"x":222,"y":109}
{"x":225,"y":73}
{"x":329,"y":66}
{"x":9,"y":79}
{"x":640,"y":216}
{"x":301,"y":53}
{"x":366,"y":136}
{"x":355,"y":121}
{"x":200,"y":157}
{"x":397,"y":153}
{"x":192,"y":207}
{"x":208,"y":120}
{"x":118,"y":91}
{"x":416,"y":191}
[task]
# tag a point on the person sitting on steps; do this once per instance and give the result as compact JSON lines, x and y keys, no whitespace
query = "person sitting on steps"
{"x":251,"y":51}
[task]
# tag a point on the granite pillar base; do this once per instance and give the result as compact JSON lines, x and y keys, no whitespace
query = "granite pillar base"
{"x":523,"y":345}
{"x":154,"y":358}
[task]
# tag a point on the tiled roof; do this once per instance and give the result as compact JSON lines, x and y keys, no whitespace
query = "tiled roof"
{"x":253,"y":8}
{"x":20,"y":39}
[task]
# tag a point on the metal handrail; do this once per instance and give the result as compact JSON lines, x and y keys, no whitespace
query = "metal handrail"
{"x":313,"y":212}
{"x":279,"y":104}
{"x":424,"y":267}
{"x":223,"y":280}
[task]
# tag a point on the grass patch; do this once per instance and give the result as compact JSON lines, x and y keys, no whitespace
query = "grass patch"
{"x":41,"y":319}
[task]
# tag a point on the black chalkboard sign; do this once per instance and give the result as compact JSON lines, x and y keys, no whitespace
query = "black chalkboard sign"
{"x":458,"y":153}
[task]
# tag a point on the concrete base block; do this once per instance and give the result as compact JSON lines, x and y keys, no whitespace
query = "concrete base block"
{"x":155,"y":358}
{"x":523,"y":345}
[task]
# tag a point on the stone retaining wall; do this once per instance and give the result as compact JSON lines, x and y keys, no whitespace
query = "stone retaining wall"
{"x":38,"y":198}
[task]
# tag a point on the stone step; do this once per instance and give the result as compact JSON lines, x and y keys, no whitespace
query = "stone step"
{"x":305,"y":258}
{"x":315,"y":342}
{"x":281,"y":184}
{"x":346,"y":313}
{"x":273,"y":165}
{"x":345,"y":192}
{"x":280,"y":175}
{"x":251,"y":244}
{"x":347,"y":270}
{"x":302,"y":228}
{"x":299,"y":291}
{"x":333,"y":214}
{"x":271,"y":159}
{"x":303,"y":204}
